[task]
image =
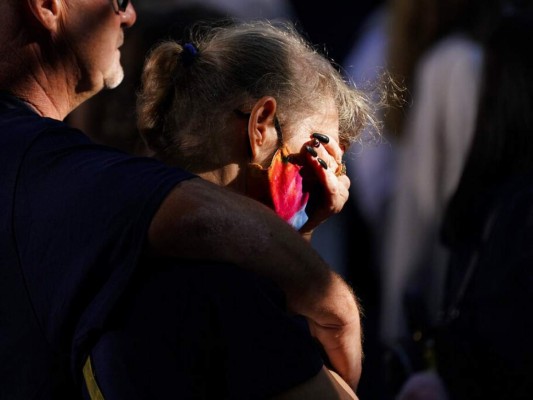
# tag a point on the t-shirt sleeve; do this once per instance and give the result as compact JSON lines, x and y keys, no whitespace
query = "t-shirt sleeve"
{"x":81,"y":216}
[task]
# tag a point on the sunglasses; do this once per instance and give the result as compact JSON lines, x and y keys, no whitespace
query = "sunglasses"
{"x":120,"y":5}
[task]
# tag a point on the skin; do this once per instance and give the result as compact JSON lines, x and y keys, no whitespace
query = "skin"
{"x":86,"y":37}
{"x":91,"y":35}
{"x":55,"y":54}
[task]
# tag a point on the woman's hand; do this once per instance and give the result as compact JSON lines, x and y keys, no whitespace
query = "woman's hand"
{"x":325,"y":176}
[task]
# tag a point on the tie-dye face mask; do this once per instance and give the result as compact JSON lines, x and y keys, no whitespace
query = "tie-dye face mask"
{"x":280,"y":187}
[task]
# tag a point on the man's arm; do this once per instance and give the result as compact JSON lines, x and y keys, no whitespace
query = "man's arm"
{"x":199,"y":220}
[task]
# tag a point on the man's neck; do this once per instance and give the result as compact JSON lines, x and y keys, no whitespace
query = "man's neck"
{"x":37,"y":98}
{"x":46,"y":89}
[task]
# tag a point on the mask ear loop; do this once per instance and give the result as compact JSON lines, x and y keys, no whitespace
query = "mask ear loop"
{"x":277,"y":126}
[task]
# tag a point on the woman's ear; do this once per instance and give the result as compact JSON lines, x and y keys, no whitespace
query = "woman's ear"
{"x":262,"y":130}
{"x":46,"y":13}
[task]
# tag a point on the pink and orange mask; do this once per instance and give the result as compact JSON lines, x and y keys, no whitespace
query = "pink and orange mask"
{"x":280,"y":187}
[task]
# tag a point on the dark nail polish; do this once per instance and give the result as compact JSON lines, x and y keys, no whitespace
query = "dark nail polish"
{"x":322,"y":138}
{"x":311,"y":151}
{"x":316,"y":143}
{"x":323,"y":163}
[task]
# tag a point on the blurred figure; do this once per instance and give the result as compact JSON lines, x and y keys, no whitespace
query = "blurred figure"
{"x":484,"y":349}
{"x":425,"y":385}
{"x":442,"y":67}
{"x":431,"y":48}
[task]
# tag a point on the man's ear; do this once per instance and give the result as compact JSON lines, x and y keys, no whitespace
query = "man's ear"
{"x":46,"y":13}
{"x":262,"y":129}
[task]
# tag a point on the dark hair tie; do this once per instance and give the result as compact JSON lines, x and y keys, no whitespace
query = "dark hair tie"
{"x":190,"y":53}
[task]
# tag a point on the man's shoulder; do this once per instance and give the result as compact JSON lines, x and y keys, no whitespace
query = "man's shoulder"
{"x":21,"y":119}
{"x":19,"y":128}
{"x":33,"y":141}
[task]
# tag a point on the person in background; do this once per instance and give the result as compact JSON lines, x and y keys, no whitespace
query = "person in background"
{"x":436,"y":132}
{"x":487,"y":230}
{"x":78,"y":217}
{"x":483,"y":345}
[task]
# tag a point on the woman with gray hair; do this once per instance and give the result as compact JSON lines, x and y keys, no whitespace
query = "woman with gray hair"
{"x":253,"y":107}
{"x":245,"y":105}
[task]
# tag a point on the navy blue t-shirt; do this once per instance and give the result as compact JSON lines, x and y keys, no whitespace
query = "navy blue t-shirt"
{"x":73,"y":222}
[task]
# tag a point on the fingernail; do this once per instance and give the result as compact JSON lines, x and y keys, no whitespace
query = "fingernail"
{"x":321,"y":137}
{"x":323,"y":163}
{"x":311,"y":151}
{"x":316,"y":143}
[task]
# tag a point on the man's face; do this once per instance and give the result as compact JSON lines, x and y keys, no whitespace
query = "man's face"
{"x":94,"y":32}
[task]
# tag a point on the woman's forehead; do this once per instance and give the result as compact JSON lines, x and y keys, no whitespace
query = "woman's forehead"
{"x":321,"y":120}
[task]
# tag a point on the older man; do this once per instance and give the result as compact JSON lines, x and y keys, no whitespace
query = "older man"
{"x":76,"y":217}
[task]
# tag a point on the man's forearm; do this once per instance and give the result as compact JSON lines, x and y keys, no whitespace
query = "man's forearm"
{"x":199,"y":220}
